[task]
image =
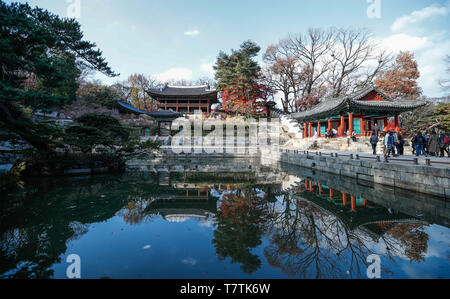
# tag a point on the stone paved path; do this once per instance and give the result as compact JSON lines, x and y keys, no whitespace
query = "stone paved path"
{"x":435,"y":161}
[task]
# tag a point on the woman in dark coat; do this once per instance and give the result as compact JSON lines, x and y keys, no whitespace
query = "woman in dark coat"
{"x":433,"y":145}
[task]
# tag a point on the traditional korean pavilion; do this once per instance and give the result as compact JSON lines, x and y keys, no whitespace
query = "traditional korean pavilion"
{"x":185,"y":99}
{"x":357,"y":112}
{"x":163,"y":118}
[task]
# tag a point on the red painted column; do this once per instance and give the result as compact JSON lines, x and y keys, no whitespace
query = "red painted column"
{"x":309,"y":130}
{"x":306,"y":185}
{"x":350,"y":124}
{"x":331,"y":194}
{"x":353,"y":203}
{"x":364,"y":202}
{"x":320,"y":189}
{"x":363,"y":126}
{"x":329,"y":125}
{"x":397,"y":123}
{"x":305,"y":131}
{"x":342,"y":127}
{"x":318,"y":129}
{"x":310,"y":186}
{"x":344,"y":199}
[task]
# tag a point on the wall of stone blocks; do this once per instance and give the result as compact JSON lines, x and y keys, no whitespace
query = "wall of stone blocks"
{"x":433,"y":180}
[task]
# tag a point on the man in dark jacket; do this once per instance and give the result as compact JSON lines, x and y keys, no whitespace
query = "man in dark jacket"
{"x":420,"y":143}
{"x":374,"y":142}
{"x":390,"y":144}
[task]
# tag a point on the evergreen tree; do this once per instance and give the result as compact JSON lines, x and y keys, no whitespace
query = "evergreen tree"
{"x":237,"y":78}
{"x":41,"y":58}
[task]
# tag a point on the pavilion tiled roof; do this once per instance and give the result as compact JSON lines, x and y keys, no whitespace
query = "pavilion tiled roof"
{"x":183,"y":91}
{"x":336,"y":106}
{"x":160,"y":114}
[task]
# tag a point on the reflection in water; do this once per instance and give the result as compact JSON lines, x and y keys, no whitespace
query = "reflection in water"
{"x":302,"y":229}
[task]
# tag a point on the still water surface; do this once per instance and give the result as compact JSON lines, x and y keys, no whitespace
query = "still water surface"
{"x":143,"y":225}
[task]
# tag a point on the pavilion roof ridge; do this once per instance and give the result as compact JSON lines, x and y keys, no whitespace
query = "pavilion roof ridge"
{"x":339,"y":104}
{"x":190,"y":86}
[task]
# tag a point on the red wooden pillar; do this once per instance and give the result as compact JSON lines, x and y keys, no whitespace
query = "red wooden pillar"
{"x":342,"y":127}
{"x":331,"y":194}
{"x":363,"y":126}
{"x":344,"y":199}
{"x":310,"y":186}
{"x":350,"y":124}
{"x":309,"y":130}
{"x":364,"y":202}
{"x":320,"y":189}
{"x":306,"y":185}
{"x":318,"y":129}
{"x":397,"y":123}
{"x":353,"y":203}
{"x":305,"y":131}
{"x":329,"y":125}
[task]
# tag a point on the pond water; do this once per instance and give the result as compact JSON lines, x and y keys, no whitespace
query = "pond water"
{"x":143,"y":225}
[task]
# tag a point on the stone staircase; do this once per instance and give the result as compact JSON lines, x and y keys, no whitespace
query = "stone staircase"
{"x":290,"y":126}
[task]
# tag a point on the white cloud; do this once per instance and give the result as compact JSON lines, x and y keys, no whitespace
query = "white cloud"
{"x":207,"y":67}
{"x":175,"y":74}
{"x":403,"y":42}
{"x":418,"y":16}
{"x":194,"y":32}
{"x":189,"y":261}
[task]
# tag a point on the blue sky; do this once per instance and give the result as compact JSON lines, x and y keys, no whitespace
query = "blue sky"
{"x":180,"y":39}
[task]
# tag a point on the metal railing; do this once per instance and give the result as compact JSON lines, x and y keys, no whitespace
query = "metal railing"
{"x":378,"y":158}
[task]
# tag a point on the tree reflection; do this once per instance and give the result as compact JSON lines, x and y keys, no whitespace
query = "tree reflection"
{"x":409,"y":240}
{"x":241,"y":222}
{"x":311,"y":242}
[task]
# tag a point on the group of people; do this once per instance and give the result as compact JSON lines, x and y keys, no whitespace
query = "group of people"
{"x":431,"y":144}
{"x":393,"y":142}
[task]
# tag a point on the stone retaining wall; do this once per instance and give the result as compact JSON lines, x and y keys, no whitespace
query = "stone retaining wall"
{"x":420,"y":178}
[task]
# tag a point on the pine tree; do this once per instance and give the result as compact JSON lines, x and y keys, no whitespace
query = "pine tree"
{"x":237,"y":78}
{"x":41,"y":58}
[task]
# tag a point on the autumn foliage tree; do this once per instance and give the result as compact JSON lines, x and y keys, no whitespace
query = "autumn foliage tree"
{"x":238,"y":78}
{"x":400,"y":81}
{"x":322,"y":63}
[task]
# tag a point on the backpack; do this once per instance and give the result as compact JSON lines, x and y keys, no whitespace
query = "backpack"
{"x":420,"y":140}
{"x":446,"y":140}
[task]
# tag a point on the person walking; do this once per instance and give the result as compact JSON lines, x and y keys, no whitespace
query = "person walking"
{"x":396,"y":148}
{"x":374,"y":142}
{"x":426,"y":146}
{"x":400,"y":144}
{"x":375,"y":129}
{"x":385,"y":141}
{"x":420,"y":141}
{"x":447,"y":144}
{"x":443,"y":144}
{"x":390,"y":144}
{"x":413,"y":145}
{"x":433,"y":145}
